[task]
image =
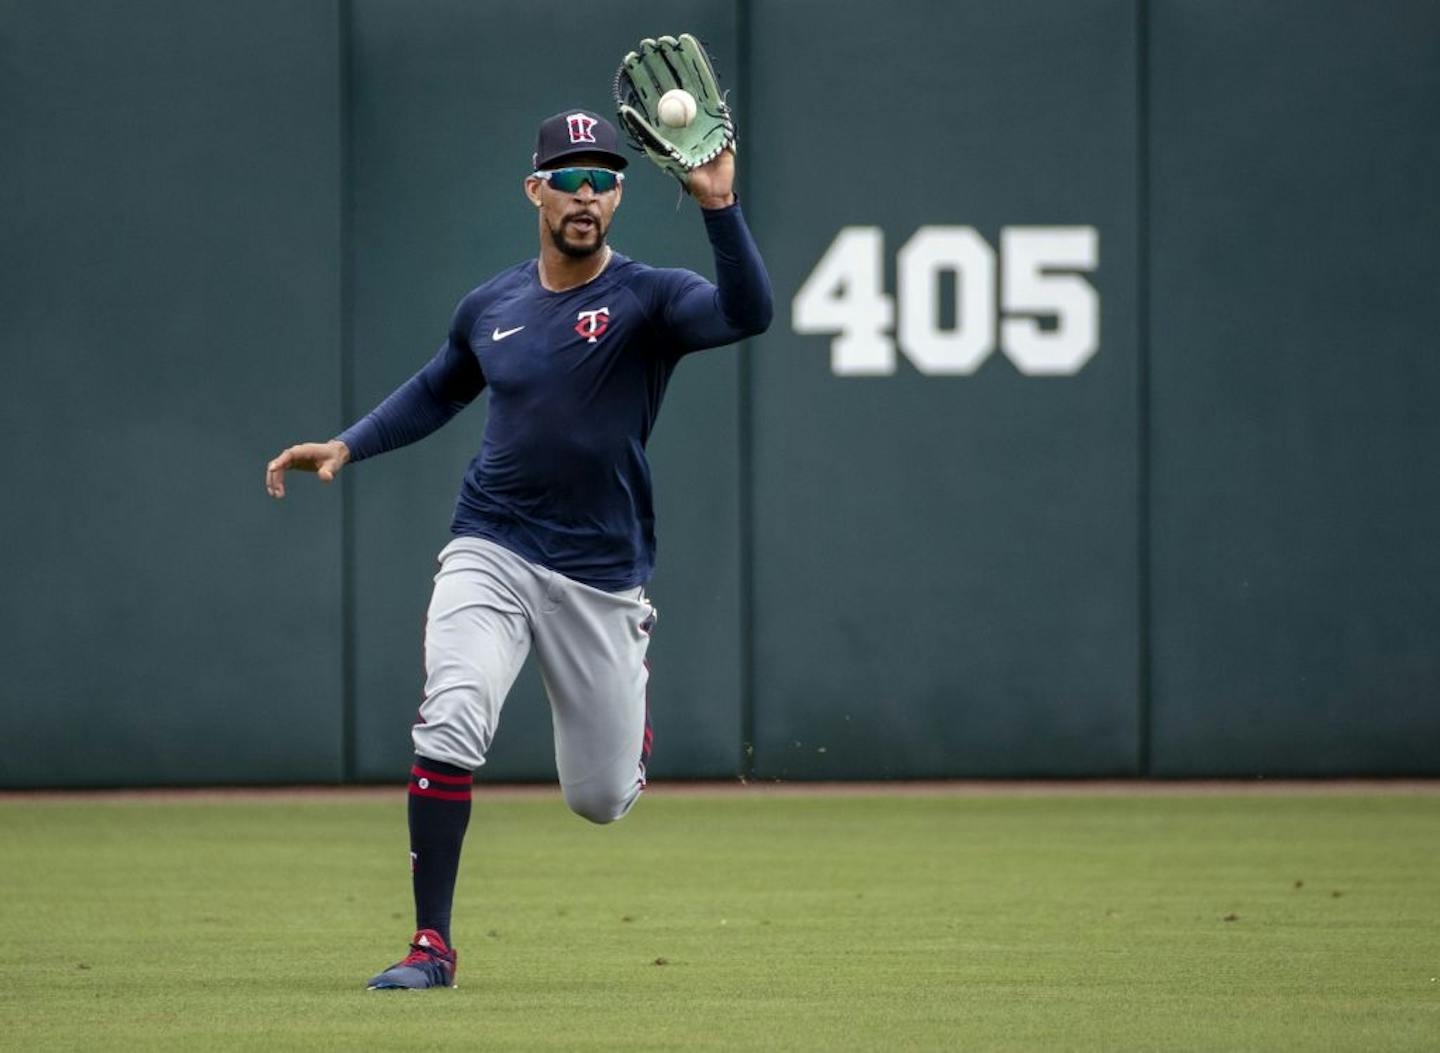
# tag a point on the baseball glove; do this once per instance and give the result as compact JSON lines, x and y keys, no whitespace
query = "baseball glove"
{"x":644,"y":76}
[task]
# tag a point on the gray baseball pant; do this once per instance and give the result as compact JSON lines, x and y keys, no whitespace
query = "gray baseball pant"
{"x":489,"y":607}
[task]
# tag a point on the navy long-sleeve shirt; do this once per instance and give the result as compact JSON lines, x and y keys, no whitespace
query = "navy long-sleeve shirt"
{"x":576,"y":379}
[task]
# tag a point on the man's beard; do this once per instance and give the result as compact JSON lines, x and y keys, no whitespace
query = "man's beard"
{"x":576,"y":250}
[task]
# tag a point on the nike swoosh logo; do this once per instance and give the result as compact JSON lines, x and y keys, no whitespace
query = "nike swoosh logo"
{"x":500,"y":334}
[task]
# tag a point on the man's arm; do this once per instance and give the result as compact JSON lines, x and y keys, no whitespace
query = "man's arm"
{"x":444,"y":386}
{"x":713,"y":185}
{"x":739,"y":304}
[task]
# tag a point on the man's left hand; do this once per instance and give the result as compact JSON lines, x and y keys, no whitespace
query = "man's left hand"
{"x":713,"y":184}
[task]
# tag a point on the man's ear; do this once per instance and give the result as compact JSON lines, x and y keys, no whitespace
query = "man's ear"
{"x":532,"y":190}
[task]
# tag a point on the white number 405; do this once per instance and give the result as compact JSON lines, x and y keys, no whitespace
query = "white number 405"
{"x":845,"y":294}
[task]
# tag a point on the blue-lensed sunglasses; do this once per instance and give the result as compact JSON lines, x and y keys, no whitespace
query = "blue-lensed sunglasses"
{"x":568,"y":180}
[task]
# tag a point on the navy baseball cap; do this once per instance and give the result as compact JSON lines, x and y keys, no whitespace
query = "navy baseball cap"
{"x":574,"y":132}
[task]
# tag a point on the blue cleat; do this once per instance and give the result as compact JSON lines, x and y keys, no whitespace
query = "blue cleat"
{"x":429,"y":964}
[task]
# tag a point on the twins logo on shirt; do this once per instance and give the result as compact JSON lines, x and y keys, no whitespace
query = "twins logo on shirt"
{"x":592,"y":324}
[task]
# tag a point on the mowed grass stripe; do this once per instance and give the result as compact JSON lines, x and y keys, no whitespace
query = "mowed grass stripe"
{"x":783,"y":922}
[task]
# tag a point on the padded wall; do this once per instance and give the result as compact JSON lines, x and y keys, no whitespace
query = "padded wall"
{"x":1296,"y":378}
{"x":170,"y":307}
{"x":1205,"y":546}
{"x":945,"y":565}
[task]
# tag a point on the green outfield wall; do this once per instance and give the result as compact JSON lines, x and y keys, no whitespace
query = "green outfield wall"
{"x":1095,"y":434}
{"x":171,"y":233}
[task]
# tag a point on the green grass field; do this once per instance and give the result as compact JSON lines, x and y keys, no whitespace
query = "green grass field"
{"x":723,"y":922}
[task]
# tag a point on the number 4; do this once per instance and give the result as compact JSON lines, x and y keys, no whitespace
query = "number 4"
{"x":845,"y":295}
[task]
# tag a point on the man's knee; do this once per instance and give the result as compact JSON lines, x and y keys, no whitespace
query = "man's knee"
{"x":601,"y":804}
{"x":454,"y":724}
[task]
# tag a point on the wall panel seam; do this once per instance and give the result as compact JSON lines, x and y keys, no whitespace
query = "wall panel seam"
{"x":346,"y":275}
{"x":745,"y":438}
{"x":1142,"y":370}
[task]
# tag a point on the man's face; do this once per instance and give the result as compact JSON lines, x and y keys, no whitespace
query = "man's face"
{"x":576,"y":222}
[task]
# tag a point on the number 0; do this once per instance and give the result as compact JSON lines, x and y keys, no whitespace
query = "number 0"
{"x":923,"y":261}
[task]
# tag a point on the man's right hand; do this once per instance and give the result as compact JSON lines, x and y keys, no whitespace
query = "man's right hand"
{"x":322,"y":458}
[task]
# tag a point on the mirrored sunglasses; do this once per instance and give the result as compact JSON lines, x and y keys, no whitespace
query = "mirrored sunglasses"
{"x":568,"y":180}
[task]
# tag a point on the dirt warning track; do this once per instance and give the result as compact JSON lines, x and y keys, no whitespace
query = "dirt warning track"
{"x":762,"y":788}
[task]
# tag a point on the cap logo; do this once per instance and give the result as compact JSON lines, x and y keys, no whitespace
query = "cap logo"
{"x":582,"y":128}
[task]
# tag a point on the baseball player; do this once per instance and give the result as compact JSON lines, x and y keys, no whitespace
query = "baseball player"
{"x":554,"y":525}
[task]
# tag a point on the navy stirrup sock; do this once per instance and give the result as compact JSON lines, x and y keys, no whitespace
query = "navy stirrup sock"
{"x":439,"y":814}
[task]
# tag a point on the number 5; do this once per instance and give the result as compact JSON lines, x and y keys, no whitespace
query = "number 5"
{"x":1026,"y":254}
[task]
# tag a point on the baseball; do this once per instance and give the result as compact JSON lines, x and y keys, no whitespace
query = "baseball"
{"x":676,"y":108}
